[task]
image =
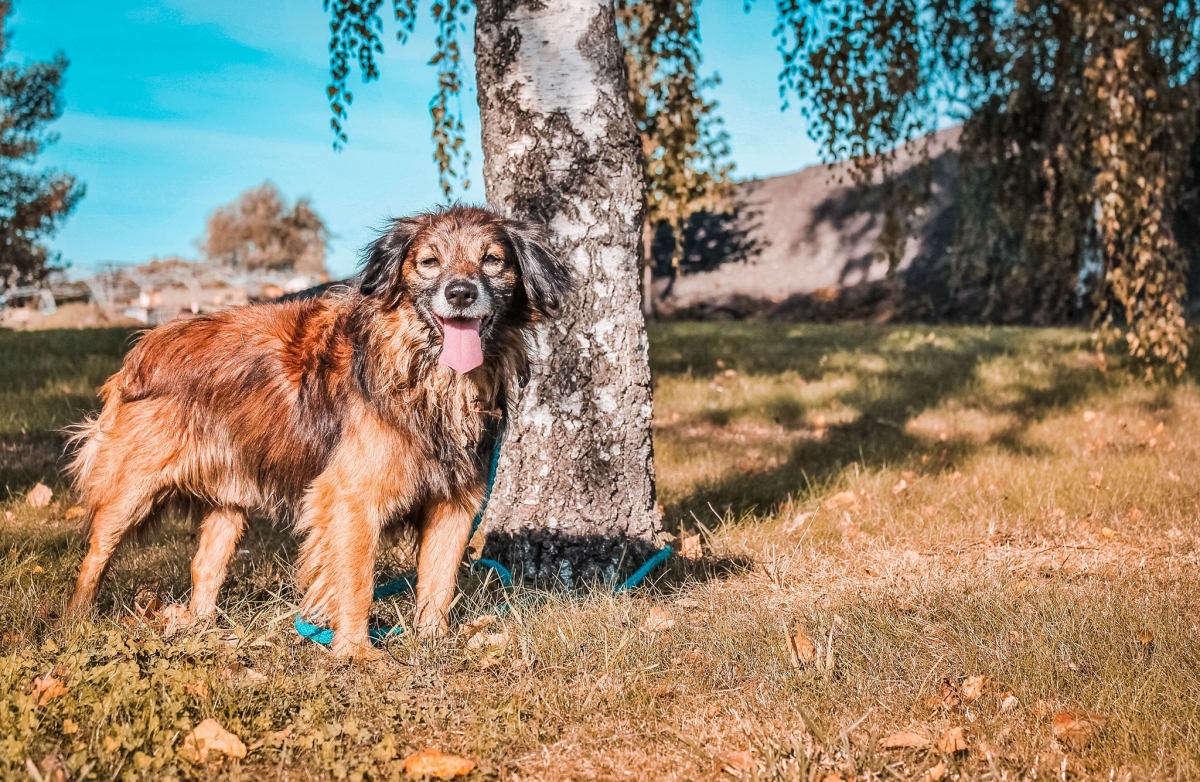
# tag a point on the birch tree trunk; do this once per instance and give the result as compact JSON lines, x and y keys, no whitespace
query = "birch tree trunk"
{"x":574,"y":499}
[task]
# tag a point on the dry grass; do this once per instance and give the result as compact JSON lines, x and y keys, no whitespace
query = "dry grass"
{"x":970,"y":503}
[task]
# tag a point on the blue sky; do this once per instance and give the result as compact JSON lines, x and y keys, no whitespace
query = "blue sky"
{"x":175,"y":107}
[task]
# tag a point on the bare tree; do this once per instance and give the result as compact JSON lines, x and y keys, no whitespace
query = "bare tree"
{"x":260,"y":230}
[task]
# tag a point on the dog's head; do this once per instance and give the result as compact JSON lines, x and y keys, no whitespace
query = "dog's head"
{"x":468,"y":273}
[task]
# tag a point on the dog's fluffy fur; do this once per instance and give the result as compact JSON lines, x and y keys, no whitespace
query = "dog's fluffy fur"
{"x":331,"y":412}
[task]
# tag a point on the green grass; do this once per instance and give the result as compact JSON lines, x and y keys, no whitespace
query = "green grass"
{"x":950,"y":503}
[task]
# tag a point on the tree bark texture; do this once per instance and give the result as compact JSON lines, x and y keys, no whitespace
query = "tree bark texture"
{"x":574,"y":498}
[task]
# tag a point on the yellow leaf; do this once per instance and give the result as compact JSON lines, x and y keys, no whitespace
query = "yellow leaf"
{"x":70,"y":726}
{"x":689,"y":546}
{"x":934,"y":774}
{"x":39,"y":496}
{"x":47,"y":689}
{"x":432,"y":763}
{"x":1145,"y":637}
{"x":210,"y":736}
{"x":1077,"y":727}
{"x":75,"y":512}
{"x":657,"y":621}
{"x":952,"y":742}
{"x":905,"y":739}
{"x":199,"y":688}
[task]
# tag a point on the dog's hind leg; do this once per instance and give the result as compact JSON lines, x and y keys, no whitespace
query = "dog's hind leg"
{"x":220,"y":532}
{"x":110,"y":522}
{"x":444,"y":534}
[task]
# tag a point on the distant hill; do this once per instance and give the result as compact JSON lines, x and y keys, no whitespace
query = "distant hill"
{"x":815,"y":237}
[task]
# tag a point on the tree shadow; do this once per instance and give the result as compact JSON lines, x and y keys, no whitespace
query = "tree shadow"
{"x":899,"y":382}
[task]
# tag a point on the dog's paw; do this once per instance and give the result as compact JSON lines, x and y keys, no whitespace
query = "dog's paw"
{"x":360,"y":651}
{"x":177,"y":618}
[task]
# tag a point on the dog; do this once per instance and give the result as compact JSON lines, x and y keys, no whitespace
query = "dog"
{"x":352,"y":415}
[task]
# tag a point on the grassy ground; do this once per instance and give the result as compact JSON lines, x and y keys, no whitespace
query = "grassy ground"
{"x":974,"y":529}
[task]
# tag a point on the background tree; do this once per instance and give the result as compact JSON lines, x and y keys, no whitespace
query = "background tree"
{"x":685,"y":148}
{"x":33,"y":204}
{"x":574,"y":498}
{"x":260,"y":230}
{"x":1078,"y":116}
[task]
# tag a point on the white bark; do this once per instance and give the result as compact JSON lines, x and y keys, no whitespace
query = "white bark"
{"x":574,"y":499}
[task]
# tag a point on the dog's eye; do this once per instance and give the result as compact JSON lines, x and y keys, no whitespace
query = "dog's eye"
{"x":428,"y":263}
{"x":492,"y":264}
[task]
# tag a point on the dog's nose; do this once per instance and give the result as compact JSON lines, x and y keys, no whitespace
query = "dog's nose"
{"x":461,"y":294}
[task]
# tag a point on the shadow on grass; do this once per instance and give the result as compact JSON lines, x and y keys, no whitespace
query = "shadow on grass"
{"x":897,"y":372}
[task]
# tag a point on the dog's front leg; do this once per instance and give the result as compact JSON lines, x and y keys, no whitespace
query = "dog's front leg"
{"x":445,"y":531}
{"x":344,"y":514}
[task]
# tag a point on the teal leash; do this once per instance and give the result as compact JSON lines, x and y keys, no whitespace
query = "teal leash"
{"x":407,"y":583}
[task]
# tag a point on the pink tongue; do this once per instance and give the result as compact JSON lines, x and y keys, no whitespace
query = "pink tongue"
{"x":462,"y":349}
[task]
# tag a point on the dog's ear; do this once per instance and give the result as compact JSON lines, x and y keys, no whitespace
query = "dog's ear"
{"x":547,"y":279}
{"x":385,"y":257}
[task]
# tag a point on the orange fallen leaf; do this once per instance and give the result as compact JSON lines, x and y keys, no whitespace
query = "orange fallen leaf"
{"x":1135,"y":515}
{"x":1108,"y":533}
{"x":972,"y":688}
{"x":1077,"y":727}
{"x":210,"y":736}
{"x":936,"y":773}
{"x":843,"y":499}
{"x":1146,"y":637}
{"x":39,"y":569}
{"x":947,"y":700}
{"x":802,"y":647}
{"x":1009,"y":703}
{"x":199,"y":688}
{"x":48,"y":688}
{"x":1089,"y":416}
{"x":900,"y":487}
{"x":689,"y":546}
{"x":39,"y":496}
{"x":488,"y":640}
{"x":432,"y":763}
{"x":471,"y":629}
{"x":75,"y":512}
{"x":657,"y":621}
{"x":952,"y":742}
{"x":905,"y":739}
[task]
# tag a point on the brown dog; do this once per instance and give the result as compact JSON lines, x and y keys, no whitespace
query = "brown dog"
{"x":350,"y":414}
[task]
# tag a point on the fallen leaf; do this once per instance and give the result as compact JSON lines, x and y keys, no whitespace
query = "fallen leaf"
{"x":689,"y":546}
{"x":432,"y":763}
{"x":657,"y":621}
{"x":929,"y":511}
{"x":50,"y":769}
{"x":1173,"y":477}
{"x":488,"y":640}
{"x":48,"y":688}
{"x":687,"y":602}
{"x":199,"y":688}
{"x":1077,"y":727}
{"x":802,"y":647}
{"x":471,"y":629}
{"x":832,"y":777}
{"x":1108,"y":533}
{"x":909,"y":476}
{"x":1016,"y":636}
{"x":9,"y":515}
{"x":75,"y":512}
{"x":843,"y":499}
{"x":1089,"y":416}
{"x":905,"y":739}
{"x":947,"y":700}
{"x":39,"y":569}
{"x":954,"y":477}
{"x":210,"y":736}
{"x":1009,"y":703}
{"x":1145,"y":637}
{"x":1041,"y":708}
{"x":952,"y":742}
{"x":1160,"y":428}
{"x":972,"y":688}
{"x":39,"y":496}
{"x":70,"y":727}
{"x":935,"y":773}
{"x":1135,"y":515}
{"x":797,"y":522}
{"x":740,"y":760}
{"x":900,"y":487}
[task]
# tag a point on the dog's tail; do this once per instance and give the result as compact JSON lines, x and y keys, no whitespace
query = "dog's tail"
{"x":87,"y":439}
